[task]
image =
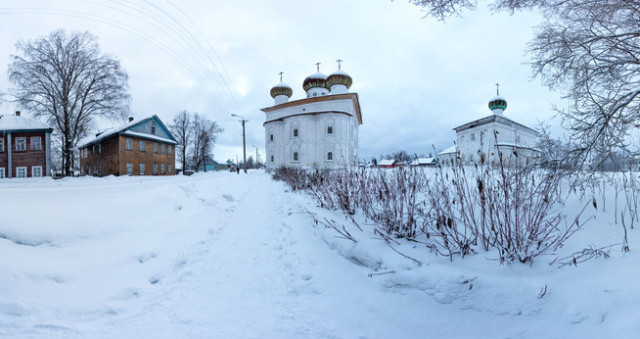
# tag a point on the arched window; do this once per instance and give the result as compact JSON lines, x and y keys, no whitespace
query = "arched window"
{"x":329,"y":129}
{"x":330,"y":156}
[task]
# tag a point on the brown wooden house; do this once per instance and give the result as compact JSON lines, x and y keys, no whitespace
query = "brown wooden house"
{"x":145,"y":147}
{"x":25,"y":147}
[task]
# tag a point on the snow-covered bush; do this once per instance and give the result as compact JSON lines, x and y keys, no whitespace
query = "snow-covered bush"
{"x":456,"y":210}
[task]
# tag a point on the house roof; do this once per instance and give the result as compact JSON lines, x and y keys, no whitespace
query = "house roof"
{"x":386,"y":162}
{"x":492,"y":118}
{"x":10,"y":123}
{"x":423,"y":161}
{"x":125,"y":130}
{"x":450,"y":150}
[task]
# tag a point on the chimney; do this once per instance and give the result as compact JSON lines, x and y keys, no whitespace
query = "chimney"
{"x":130,"y":119}
{"x":17,"y":113}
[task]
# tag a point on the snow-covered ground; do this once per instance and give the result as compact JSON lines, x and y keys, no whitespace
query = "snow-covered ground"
{"x":221,"y":255}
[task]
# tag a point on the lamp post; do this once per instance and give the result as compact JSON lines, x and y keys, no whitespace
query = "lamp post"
{"x":244,"y":143}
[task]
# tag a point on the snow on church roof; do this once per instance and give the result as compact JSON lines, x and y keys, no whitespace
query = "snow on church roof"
{"x":17,"y":123}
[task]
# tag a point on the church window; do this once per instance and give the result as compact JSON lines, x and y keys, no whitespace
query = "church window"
{"x":295,"y":132}
{"x":329,"y":129}
{"x":330,"y":156}
{"x":270,"y":137}
{"x":295,"y":156}
{"x":473,"y":137}
{"x":517,"y":139}
{"x":272,"y":158}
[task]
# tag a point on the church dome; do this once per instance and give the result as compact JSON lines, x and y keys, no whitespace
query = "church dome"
{"x":339,"y":77}
{"x":315,"y":80}
{"x":281,"y":89}
{"x":498,"y":103}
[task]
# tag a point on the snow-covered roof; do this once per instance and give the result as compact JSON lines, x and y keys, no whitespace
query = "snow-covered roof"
{"x":423,"y":161}
{"x":386,"y":162}
{"x":124,"y":129}
{"x":281,"y":85}
{"x":514,"y":145}
{"x":149,"y":136}
{"x":18,"y":123}
{"x":318,"y":75}
{"x":449,"y":150}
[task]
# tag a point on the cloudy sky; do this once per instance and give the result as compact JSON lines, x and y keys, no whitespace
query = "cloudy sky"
{"x":417,"y":78}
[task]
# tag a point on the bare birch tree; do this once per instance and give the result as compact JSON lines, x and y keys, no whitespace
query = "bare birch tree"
{"x":182,"y":130}
{"x":65,"y":78}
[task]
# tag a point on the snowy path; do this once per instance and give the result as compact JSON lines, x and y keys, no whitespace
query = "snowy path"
{"x":232,"y":256}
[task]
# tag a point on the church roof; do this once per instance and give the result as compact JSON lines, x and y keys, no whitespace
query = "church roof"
{"x":352,"y":96}
{"x":493,"y":118}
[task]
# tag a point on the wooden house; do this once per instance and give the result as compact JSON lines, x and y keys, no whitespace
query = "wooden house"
{"x":25,"y":147}
{"x":144,"y":147}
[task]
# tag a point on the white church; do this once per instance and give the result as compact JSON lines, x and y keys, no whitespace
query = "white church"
{"x":319,"y":131}
{"x":482,"y":141}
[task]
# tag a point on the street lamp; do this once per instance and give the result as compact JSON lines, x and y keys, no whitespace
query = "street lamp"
{"x":244,"y":143}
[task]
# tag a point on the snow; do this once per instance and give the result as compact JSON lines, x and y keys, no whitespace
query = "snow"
{"x":13,"y":123}
{"x":423,"y":161}
{"x":221,"y":255}
{"x":149,"y":136}
{"x":449,"y":150}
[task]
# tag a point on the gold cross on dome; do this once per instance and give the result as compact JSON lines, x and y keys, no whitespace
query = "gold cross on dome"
{"x":339,"y":61}
{"x":497,"y":89}
{"x":318,"y":66}
{"x":281,"y":73}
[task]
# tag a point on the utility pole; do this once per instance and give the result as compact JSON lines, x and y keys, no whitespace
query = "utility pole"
{"x":244,"y":142}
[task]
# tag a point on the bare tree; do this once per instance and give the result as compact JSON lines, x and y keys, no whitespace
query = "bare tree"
{"x":65,"y":78}
{"x":588,"y":49}
{"x":591,"y":50}
{"x":205,"y":132}
{"x":182,"y":130}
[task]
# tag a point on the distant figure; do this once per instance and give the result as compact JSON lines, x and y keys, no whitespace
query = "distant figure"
{"x":238,"y":170}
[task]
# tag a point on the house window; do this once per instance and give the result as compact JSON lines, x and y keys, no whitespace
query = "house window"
{"x":270,"y":137}
{"x":21,"y":145}
{"x":99,"y":148}
{"x":36,"y":143}
{"x":155,"y":169}
{"x":86,"y":153}
{"x":170,"y":149}
{"x":295,"y":156}
{"x":330,"y":156}
{"x":2,"y":173}
{"x":129,"y":168}
{"x":162,"y":169}
{"x":129,"y":144}
{"x":153,"y":130}
{"x":162,"y":149}
{"x":169,"y":169}
{"x":93,"y":149}
{"x":295,"y":132}
{"x":1,"y":145}
{"x":329,"y":129}
{"x":141,"y":169}
{"x":36,"y":171}
{"x":21,"y":172}
{"x":142,"y":146}
{"x":155,"y":147}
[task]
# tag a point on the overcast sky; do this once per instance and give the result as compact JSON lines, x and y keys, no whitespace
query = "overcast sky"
{"x":416,"y":77}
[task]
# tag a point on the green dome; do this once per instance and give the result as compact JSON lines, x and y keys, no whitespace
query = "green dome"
{"x":498,"y":103}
